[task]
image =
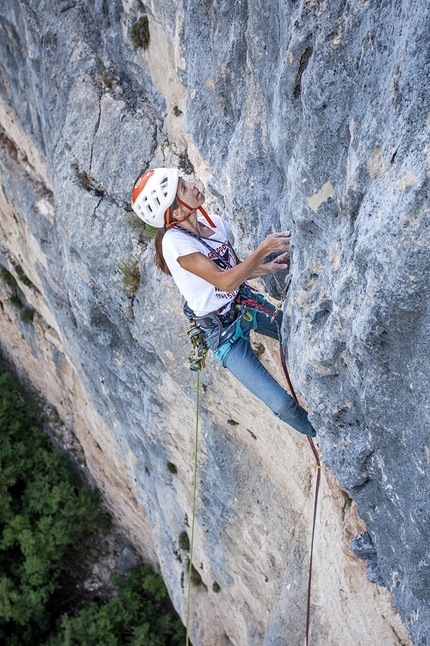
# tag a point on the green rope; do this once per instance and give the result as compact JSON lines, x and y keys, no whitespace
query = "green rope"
{"x":196,"y":442}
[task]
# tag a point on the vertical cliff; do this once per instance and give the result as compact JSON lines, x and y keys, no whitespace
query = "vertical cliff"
{"x":308,"y":115}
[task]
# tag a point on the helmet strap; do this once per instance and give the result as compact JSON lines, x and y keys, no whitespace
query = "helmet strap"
{"x":170,"y":222}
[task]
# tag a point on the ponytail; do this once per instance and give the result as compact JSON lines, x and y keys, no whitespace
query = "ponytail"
{"x":158,"y":257}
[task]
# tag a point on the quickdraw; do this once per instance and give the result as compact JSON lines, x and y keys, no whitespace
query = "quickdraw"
{"x":197,"y":356}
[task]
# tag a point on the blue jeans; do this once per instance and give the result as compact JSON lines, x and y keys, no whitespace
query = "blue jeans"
{"x":235,"y":353}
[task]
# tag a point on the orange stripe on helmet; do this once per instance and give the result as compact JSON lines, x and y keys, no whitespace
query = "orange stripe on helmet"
{"x":140,"y":184}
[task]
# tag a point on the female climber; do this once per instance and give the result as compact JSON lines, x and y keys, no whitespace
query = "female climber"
{"x":194,"y":249}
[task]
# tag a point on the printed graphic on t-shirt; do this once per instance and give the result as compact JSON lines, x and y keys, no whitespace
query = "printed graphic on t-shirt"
{"x":225,"y":253}
{"x":201,"y":296}
{"x":220,"y":294}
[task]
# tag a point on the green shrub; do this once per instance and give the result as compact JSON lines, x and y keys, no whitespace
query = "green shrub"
{"x":172,"y":468}
{"x":137,"y":223}
{"x":108,"y":76}
{"x":27,"y":315}
{"x":7,"y":277}
{"x":140,"y":615}
{"x":150,"y":231}
{"x":22,"y":276}
{"x":146,"y":229}
{"x":216,"y":587}
{"x":184,"y":542}
{"x":140,"y":33}
{"x":16,"y":301}
{"x":130,"y":276}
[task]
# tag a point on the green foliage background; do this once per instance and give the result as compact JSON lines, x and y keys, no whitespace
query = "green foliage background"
{"x":49,"y":519}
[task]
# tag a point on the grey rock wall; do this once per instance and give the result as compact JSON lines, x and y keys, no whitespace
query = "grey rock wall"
{"x":311,"y":116}
{"x":325,"y":108}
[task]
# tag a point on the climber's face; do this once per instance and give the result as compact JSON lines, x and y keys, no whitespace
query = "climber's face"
{"x":190,"y":194}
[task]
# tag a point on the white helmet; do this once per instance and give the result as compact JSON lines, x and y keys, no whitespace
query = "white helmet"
{"x":153,"y":193}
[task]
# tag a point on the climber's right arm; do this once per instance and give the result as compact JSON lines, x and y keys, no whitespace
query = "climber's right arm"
{"x":200,"y":265}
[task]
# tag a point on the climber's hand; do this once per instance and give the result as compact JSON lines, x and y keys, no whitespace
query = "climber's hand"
{"x":277,"y":242}
{"x":278,"y":264}
{"x":283,"y":259}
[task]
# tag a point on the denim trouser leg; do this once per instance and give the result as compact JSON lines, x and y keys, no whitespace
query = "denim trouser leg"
{"x":246,"y":367}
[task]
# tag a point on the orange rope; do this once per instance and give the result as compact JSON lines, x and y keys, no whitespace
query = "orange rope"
{"x":256,"y":304}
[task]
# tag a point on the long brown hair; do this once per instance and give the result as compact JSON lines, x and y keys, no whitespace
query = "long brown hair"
{"x":158,"y":256}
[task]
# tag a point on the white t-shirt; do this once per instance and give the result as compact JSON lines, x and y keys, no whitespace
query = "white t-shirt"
{"x":200,"y":295}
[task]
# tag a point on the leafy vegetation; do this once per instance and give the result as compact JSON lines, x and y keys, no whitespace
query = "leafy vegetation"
{"x":172,"y":467}
{"x":140,"y":33}
{"x":7,"y":277}
{"x":137,"y":223}
{"x":150,"y":231}
{"x":108,"y":76}
{"x":130,"y":276}
{"x":49,"y":524}
{"x":27,"y":315}
{"x":17,"y":298}
{"x":147,"y":230}
{"x":184,"y":542}
{"x":23,"y":276}
{"x":140,"y":615}
{"x":16,"y":301}
{"x":44,"y":510}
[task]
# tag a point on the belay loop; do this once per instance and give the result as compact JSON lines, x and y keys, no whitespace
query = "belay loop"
{"x":199,"y":350}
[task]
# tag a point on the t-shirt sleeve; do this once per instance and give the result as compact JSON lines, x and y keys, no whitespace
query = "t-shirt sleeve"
{"x":176,"y":246}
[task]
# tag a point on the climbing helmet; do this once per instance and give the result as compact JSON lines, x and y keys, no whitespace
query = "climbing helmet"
{"x":153,"y":193}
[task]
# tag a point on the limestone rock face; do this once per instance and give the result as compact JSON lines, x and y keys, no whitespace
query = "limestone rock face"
{"x":311,"y":116}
